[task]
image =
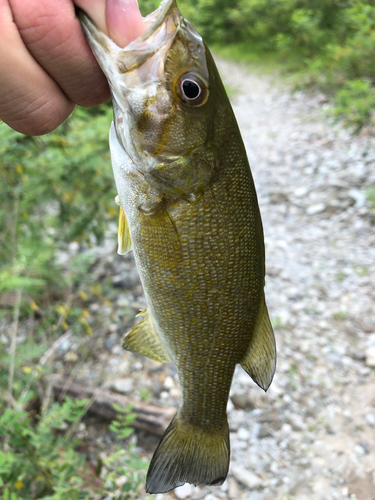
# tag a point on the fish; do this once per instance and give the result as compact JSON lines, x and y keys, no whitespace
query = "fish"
{"x":189,"y":212}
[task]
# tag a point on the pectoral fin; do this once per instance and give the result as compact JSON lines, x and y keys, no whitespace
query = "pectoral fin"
{"x":260,"y":358}
{"x":123,"y":238}
{"x":144,"y":339}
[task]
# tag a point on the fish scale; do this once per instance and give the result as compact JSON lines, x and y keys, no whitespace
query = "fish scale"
{"x":189,"y":211}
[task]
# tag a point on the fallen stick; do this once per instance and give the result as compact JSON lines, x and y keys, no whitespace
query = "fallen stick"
{"x":150,"y":418}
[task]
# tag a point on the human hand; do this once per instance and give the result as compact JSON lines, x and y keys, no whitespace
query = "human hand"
{"x":46,"y":65}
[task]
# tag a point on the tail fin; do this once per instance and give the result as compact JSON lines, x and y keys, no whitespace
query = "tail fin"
{"x":188,"y":455}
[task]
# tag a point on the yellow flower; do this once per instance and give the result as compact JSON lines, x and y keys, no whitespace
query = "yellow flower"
{"x":62,"y":310}
{"x":19,"y":484}
{"x":83,"y":295}
{"x":27,"y":369}
{"x":68,"y":196}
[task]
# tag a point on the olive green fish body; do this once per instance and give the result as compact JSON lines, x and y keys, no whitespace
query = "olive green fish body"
{"x":189,"y":211}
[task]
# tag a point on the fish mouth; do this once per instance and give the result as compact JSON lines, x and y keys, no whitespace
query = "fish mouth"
{"x":161,"y":27}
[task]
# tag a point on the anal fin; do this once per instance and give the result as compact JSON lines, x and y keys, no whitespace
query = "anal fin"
{"x":144,"y":339}
{"x":260,"y":358}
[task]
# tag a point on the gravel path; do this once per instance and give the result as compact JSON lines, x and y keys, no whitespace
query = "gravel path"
{"x":312,"y":436}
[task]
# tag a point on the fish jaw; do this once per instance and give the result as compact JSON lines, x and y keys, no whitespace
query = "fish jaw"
{"x":114,"y":60}
{"x":133,"y":71}
{"x":143,"y":78}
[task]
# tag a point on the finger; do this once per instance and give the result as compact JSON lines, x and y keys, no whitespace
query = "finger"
{"x":30,"y":101}
{"x":124,"y":21}
{"x":53,"y":35}
{"x":119,"y":19}
{"x":96,"y":10}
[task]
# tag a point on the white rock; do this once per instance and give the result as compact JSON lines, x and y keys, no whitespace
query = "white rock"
{"x":122,"y":385}
{"x":246,"y":477}
{"x":233,"y":488}
{"x":169,"y":382}
{"x":4,"y":340}
{"x":301,"y":192}
{"x":230,"y":406}
{"x":71,"y":357}
{"x":359,"y":449}
{"x":113,"y":327}
{"x":183,"y":491}
{"x":224,"y":486}
{"x":73,"y":247}
{"x":122,"y":301}
{"x":359,"y":197}
{"x":243,"y":434}
{"x":370,"y":356}
{"x":316,"y":209}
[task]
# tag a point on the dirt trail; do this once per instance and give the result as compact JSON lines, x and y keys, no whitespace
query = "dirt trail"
{"x":313,"y":435}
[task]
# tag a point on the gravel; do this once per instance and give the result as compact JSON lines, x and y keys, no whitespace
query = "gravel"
{"x":312,"y":434}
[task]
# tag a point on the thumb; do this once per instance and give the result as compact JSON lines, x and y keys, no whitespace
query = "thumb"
{"x":119,"y":19}
{"x":124,"y":21}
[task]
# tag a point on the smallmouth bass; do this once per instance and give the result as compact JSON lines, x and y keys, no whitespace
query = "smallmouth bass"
{"x":189,"y":212}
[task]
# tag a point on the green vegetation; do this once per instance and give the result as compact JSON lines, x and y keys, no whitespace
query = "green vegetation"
{"x":39,"y":459}
{"x":55,"y":190}
{"x":329,"y":43}
{"x":49,"y":197}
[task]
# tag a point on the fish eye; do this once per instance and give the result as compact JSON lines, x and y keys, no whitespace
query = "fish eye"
{"x":192,"y":90}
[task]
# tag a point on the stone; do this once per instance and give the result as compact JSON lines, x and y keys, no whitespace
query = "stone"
{"x":183,"y":491}
{"x":243,"y":401}
{"x":243,"y":434}
{"x":265,"y":430}
{"x":249,"y":400}
{"x":169,"y":383}
{"x":234,"y":490}
{"x":111,"y":341}
{"x":359,"y":449}
{"x":122,"y":385}
{"x":370,"y":356}
{"x":316,"y":209}
{"x":246,"y":477}
{"x":71,"y":357}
